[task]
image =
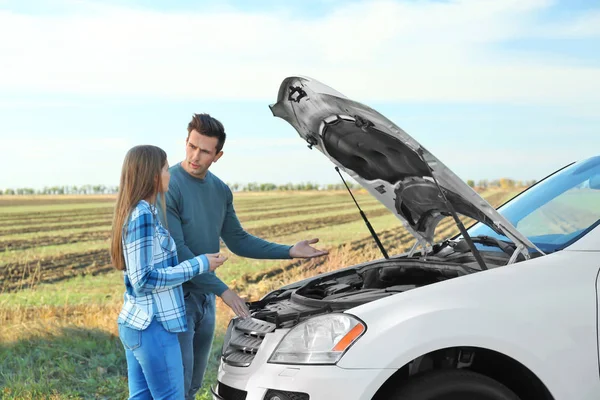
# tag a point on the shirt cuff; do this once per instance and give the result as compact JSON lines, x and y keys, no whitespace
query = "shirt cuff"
{"x":205,"y":264}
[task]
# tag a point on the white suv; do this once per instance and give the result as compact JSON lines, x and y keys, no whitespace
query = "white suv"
{"x":506,"y":310}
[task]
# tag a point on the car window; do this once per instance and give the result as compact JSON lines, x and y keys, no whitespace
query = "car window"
{"x":557,"y":211}
{"x":567,"y":214}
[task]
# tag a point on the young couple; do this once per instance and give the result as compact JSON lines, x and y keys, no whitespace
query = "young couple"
{"x":165,"y":238}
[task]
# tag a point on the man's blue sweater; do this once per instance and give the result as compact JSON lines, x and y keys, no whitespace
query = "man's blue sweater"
{"x":199,"y":212}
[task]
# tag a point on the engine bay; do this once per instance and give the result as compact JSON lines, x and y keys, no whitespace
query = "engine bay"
{"x":363,"y":283}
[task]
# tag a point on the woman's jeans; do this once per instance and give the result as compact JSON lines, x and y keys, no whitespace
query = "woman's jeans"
{"x":154,"y":364}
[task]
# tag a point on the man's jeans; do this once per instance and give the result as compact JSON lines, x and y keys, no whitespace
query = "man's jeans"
{"x":154,"y":366}
{"x":197,"y":341}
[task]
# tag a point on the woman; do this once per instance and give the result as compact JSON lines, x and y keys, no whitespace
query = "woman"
{"x":153,"y":309}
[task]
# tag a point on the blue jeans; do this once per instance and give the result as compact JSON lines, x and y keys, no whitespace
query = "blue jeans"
{"x":196,"y":342}
{"x":154,"y":366}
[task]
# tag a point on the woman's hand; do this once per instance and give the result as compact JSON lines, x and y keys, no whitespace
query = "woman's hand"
{"x":215,"y":260}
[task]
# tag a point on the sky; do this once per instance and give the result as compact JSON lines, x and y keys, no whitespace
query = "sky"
{"x":493,"y":88}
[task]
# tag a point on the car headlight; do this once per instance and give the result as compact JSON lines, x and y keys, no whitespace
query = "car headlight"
{"x":319,"y":340}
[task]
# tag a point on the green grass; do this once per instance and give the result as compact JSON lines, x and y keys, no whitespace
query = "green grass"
{"x":105,"y":288}
{"x":34,"y":254}
{"x":339,"y":234}
{"x":98,"y":289}
{"x":64,"y":363}
{"x":210,"y":377}
{"x":76,"y":363}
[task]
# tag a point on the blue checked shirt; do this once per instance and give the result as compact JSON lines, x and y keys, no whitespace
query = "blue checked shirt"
{"x":153,"y":274}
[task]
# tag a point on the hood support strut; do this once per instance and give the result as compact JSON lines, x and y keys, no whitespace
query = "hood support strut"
{"x":364,"y":217}
{"x":459,"y":223}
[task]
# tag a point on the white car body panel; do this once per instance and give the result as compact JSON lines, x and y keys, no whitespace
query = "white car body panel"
{"x":322,"y":382}
{"x":590,"y":242}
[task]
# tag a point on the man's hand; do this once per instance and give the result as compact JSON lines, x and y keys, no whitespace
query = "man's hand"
{"x":236,"y":303}
{"x":304,"y":249}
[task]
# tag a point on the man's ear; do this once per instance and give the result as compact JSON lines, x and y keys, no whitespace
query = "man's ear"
{"x":219,"y":155}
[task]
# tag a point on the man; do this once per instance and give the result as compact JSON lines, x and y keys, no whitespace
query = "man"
{"x":199,"y":212}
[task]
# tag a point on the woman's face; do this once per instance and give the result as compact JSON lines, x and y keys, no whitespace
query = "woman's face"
{"x":165,"y":176}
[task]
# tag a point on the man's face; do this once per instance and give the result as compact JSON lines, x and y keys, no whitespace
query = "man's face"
{"x":200,"y":153}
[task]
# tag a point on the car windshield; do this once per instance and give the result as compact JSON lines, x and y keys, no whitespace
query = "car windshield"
{"x":557,"y":211}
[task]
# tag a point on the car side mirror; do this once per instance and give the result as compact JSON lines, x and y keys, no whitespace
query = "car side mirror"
{"x":595,"y":182}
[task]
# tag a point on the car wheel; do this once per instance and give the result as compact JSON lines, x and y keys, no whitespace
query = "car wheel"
{"x":453,"y":385}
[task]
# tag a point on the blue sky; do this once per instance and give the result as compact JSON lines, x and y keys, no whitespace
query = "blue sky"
{"x":493,"y":88}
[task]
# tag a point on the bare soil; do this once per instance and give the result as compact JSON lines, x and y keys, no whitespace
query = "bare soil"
{"x":21,"y":275}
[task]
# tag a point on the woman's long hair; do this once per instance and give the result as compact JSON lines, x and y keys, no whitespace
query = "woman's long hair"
{"x":140,"y":179}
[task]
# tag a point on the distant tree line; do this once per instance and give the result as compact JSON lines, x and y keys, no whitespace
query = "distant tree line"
{"x":502,"y":183}
{"x":236,"y":187}
{"x":265,"y":187}
{"x":84,"y":189}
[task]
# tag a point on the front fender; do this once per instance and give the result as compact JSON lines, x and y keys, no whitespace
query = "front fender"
{"x":392,"y":349}
{"x":438,"y":329}
{"x":519,"y":311}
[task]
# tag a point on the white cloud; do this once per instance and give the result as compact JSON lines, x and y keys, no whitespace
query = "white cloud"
{"x":440,"y":51}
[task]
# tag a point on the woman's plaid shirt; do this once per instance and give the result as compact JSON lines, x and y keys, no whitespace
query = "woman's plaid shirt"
{"x":153,"y":274}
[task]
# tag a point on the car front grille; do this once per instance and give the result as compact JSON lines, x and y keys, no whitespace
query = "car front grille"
{"x":243,"y":339}
{"x":230,"y":393}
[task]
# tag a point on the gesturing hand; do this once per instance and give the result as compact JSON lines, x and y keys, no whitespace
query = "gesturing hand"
{"x":215,"y":260}
{"x":236,"y":303}
{"x":304,"y":249}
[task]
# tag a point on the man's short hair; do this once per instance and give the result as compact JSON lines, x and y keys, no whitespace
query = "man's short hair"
{"x":208,"y":126}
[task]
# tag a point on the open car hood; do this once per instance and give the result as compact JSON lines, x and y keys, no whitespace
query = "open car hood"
{"x":384,"y":159}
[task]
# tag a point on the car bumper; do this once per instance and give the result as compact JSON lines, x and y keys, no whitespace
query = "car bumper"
{"x":215,"y":396}
{"x":318,"y":382}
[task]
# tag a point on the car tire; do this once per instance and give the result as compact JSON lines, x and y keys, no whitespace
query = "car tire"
{"x":453,"y":385}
